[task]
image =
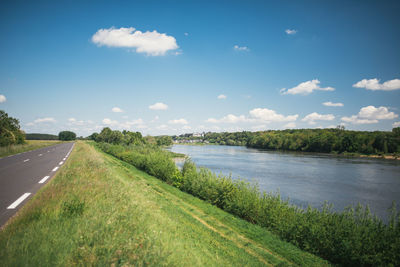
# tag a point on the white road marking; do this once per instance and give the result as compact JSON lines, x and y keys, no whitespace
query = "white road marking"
{"x":64,"y":159}
{"x":40,"y":155}
{"x":44,"y":179}
{"x":18,"y":201}
{"x":61,"y":163}
{"x":26,"y":160}
{"x":56,"y":168}
{"x":48,"y":151}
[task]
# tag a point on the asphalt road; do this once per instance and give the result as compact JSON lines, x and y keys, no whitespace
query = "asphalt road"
{"x":23,"y":174}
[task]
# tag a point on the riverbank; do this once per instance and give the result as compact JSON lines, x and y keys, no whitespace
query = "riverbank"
{"x":100,"y":211}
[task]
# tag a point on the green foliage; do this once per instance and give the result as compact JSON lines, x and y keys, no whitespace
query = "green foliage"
{"x":39,"y":136}
{"x":164,"y":140}
{"x":310,"y":140}
{"x":66,"y":136}
{"x":116,"y":137}
{"x":352,"y":238}
{"x":10,"y":133}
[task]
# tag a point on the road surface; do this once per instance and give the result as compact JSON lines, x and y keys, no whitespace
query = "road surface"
{"x":23,"y":174}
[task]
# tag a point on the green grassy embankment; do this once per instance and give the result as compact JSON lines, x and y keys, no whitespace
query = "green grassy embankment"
{"x":99,"y":210}
{"x":30,"y":145}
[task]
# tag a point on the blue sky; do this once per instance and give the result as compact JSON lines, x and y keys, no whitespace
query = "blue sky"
{"x":190,"y":66}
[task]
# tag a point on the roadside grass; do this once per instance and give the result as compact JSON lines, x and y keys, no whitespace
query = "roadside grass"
{"x":98,"y":210}
{"x":28,"y":146}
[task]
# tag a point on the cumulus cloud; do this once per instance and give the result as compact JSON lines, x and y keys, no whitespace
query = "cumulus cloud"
{"x":221,"y":97}
{"x":230,"y":118}
{"x":45,"y":120}
{"x":396,"y":124}
{"x":117,"y":109}
{"x":306,"y":88}
{"x":2,"y":99}
{"x":330,"y":104}
{"x":259,"y":115}
{"x":369,"y":115}
{"x":241,"y":48}
{"x":178,"y":121}
{"x":151,"y":43}
{"x":158,"y":106}
{"x":312,"y":117}
{"x":290,"y":32}
{"x":269,"y":115}
{"x":110,"y":122}
{"x":290,"y":125}
{"x":374,"y":84}
{"x":186,"y":127}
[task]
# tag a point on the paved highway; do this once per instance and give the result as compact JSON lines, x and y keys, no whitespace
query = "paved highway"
{"x":23,"y":174}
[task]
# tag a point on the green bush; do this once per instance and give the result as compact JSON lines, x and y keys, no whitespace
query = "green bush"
{"x":66,"y":136}
{"x":352,"y":238}
{"x":10,"y":133}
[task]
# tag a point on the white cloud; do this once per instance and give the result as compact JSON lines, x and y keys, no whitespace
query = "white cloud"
{"x":45,"y":120}
{"x":72,"y":120}
{"x":150,"y":43}
{"x":396,"y":124}
{"x":230,"y":118}
{"x":330,"y":104}
{"x":186,"y":34}
{"x":241,"y":48}
{"x":186,"y":127}
{"x":110,"y":122}
{"x":178,"y":121}
{"x":2,"y":99}
{"x":306,"y":88}
{"x":290,"y":32}
{"x":158,"y":106}
{"x":373,"y":84}
{"x":162,"y":127}
{"x":260,"y":115}
{"x":117,"y":109}
{"x":290,"y":125}
{"x":370,"y":114}
{"x":312,"y":117}
{"x":221,"y":97}
{"x":269,"y":115}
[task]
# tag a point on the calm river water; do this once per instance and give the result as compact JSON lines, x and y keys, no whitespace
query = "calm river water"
{"x":307,"y":178}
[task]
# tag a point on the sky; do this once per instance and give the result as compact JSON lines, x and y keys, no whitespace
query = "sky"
{"x":174,"y":67}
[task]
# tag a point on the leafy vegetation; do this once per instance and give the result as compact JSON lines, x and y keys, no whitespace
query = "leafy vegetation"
{"x":353,"y":237}
{"x":10,"y":133}
{"x":310,"y":140}
{"x":67,"y":136}
{"x":39,"y":136}
{"x":100,"y":211}
{"x":27,"y":146}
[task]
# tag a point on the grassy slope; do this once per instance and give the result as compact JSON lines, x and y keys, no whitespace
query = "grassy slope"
{"x":30,"y":145}
{"x":130,"y":217}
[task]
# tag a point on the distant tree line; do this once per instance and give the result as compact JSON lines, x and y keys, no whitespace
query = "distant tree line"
{"x":66,"y":136}
{"x":128,"y":138}
{"x":310,"y":140}
{"x":39,"y":136}
{"x":10,"y":132}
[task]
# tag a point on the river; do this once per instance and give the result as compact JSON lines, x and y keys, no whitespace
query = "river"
{"x":305,"y":178}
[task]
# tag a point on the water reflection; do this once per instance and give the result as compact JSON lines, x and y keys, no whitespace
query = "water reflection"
{"x":307,"y":178}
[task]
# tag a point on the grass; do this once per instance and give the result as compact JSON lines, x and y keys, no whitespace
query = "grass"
{"x":29,"y":145}
{"x":99,"y":210}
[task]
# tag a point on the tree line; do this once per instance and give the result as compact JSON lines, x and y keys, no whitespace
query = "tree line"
{"x":310,"y":140}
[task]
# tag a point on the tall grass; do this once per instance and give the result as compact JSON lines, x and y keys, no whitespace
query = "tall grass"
{"x":353,"y":237}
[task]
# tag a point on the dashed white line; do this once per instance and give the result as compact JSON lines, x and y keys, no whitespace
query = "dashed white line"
{"x":64,"y":159}
{"x":26,"y":160}
{"x":56,"y":168}
{"x":44,"y":179}
{"x":61,"y":163}
{"x":40,"y":155}
{"x":18,"y":201}
{"x":48,"y":151}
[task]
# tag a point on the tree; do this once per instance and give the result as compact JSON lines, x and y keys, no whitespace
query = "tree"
{"x":10,"y":132}
{"x":66,"y":136}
